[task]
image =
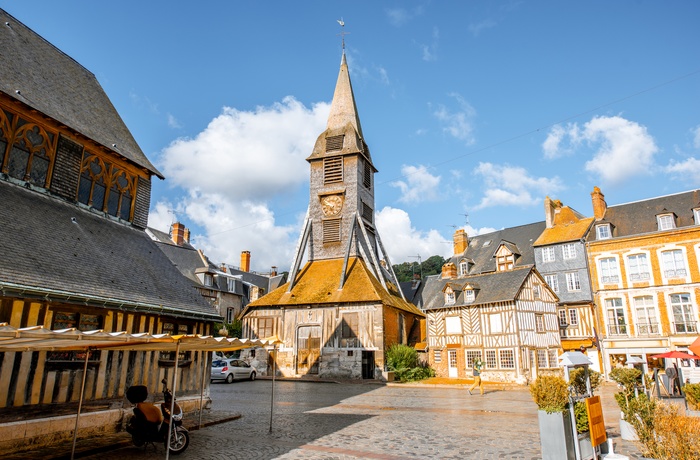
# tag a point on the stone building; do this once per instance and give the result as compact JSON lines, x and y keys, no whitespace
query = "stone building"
{"x":339,"y":312}
{"x":644,"y":260}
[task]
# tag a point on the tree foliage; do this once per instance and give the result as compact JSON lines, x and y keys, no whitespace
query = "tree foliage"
{"x":431,"y":266}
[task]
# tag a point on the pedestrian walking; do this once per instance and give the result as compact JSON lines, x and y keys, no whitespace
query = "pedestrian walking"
{"x":477,"y":365}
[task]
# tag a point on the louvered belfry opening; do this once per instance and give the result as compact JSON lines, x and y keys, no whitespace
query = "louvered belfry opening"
{"x":334,"y":143}
{"x":331,"y":231}
{"x":332,"y":170}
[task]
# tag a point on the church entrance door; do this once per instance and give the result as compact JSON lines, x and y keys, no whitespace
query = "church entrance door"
{"x":308,"y":349}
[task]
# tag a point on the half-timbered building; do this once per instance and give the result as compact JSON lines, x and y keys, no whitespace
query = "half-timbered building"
{"x":75,"y":191}
{"x":491,"y":303}
{"x":342,"y":309}
{"x":560,"y":257}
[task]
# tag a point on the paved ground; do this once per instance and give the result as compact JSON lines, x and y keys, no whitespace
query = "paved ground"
{"x":368,"y":421}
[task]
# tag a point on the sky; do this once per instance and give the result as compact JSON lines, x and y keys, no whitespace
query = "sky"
{"x":473,"y":112}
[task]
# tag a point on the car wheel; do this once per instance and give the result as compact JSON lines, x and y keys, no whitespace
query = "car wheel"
{"x":252,"y":376}
{"x":229,"y":378}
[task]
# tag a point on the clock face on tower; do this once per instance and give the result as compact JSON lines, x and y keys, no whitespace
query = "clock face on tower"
{"x":331,"y":205}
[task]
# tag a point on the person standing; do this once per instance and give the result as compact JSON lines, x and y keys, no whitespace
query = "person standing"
{"x":477,"y":365}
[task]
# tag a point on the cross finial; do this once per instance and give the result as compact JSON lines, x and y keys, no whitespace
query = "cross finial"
{"x":342,"y":31}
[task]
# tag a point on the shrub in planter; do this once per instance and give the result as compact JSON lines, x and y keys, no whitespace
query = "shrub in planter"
{"x":692,"y":395}
{"x":550,"y":393}
{"x":628,"y":379}
{"x":677,"y":436}
{"x":641,"y":410}
{"x":577,"y":381}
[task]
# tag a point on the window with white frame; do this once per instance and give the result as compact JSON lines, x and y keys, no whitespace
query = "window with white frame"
{"x":542,"y":359}
{"x":562,"y":318}
{"x":548,"y":254}
{"x":673,"y":263}
{"x":553,"y":357}
{"x":638,"y":267}
{"x":572,"y":281}
{"x":463,"y":268}
{"x":208,"y":279}
{"x":666,"y":222}
{"x":449,"y":296}
{"x":491,"y":359}
{"x":553,"y":282}
{"x":539,"y":323}
{"x":470,"y":356}
{"x":645,"y":310}
{"x":683,"y":317}
{"x":569,"y":250}
{"x":615,"y":314}
{"x":469,"y":295}
{"x":506,"y":358}
{"x":609,"y":273}
{"x":573,"y":316}
{"x":696,"y":215}
{"x":495,"y":323}
{"x":603,"y":232}
{"x":453,"y":325}
{"x":437,"y":355}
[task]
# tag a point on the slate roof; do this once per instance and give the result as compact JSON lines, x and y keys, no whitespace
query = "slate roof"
{"x":502,"y":286}
{"x":186,"y":258}
{"x":317,"y":284}
{"x":639,"y":217}
{"x":482,"y":248}
{"x":38,"y":74}
{"x":51,"y":247}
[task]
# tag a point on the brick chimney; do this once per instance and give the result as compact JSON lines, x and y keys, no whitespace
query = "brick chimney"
{"x":599,"y":204}
{"x":460,"y":241}
{"x":245,"y":261}
{"x":449,"y":270}
{"x":186,"y":236}
{"x":273,"y":271}
{"x":223,"y":267}
{"x":177,"y":233}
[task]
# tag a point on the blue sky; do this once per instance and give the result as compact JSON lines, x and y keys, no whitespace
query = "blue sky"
{"x":469,"y":108}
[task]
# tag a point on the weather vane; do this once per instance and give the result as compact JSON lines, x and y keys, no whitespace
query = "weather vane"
{"x":342,"y":31}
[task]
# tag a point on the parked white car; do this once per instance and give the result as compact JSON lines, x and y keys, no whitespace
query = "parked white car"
{"x":229,"y":370}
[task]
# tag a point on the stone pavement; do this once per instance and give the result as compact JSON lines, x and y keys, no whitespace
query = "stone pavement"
{"x":320,"y":421}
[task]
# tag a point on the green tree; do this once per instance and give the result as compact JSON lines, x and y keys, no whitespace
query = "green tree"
{"x":431,"y":266}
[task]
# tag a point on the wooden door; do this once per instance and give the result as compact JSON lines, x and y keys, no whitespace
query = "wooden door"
{"x":308,"y":349}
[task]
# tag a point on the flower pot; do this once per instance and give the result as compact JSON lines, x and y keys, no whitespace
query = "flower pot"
{"x":556,"y":436}
{"x":627,"y":431}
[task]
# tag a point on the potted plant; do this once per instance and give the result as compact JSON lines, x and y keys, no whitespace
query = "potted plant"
{"x":627,"y":379}
{"x":551,"y":394}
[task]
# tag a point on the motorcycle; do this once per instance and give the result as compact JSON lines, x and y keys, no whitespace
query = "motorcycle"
{"x":149,"y":425}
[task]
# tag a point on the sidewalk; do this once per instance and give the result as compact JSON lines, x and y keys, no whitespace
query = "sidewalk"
{"x":106,"y":443}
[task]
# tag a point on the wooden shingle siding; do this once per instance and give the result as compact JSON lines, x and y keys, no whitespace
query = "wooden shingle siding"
{"x":64,"y":181}
{"x":143,"y":202}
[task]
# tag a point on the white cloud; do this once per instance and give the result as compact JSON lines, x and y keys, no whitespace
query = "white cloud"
{"x":173,"y":123}
{"x":696,"y":137}
{"x":248,"y":155}
{"x":430,"y":50}
{"x":477,"y":28}
{"x":231,"y":170}
{"x":419,"y":185}
{"x":458,"y":124}
{"x":406,"y":241}
{"x":513,"y":186}
{"x":622,"y":148}
{"x":161,"y":216}
{"x":687,"y":171}
{"x":400,"y":16}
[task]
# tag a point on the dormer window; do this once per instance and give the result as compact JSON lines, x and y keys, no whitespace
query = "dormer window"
{"x":469,"y":295}
{"x":696,"y":215}
{"x":666,"y":221}
{"x":463,"y":267}
{"x":449,"y":296}
{"x":603,"y":231}
{"x":208,"y":280}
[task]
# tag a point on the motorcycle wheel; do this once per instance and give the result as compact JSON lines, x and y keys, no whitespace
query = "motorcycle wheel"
{"x":179,"y":440}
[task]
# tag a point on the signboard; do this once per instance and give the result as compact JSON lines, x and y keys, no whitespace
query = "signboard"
{"x":596,"y":424}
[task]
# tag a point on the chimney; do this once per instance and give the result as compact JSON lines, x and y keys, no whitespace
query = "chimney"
{"x":245,"y":261}
{"x":177,"y":233}
{"x":461,"y":241}
{"x":599,"y":204}
{"x":186,"y":236}
{"x":223,"y":267}
{"x":548,"y":212}
{"x":273,"y":271}
{"x":449,"y":270}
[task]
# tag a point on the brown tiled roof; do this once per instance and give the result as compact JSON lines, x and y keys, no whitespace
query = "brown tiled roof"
{"x":318,"y":281}
{"x":567,"y":227}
